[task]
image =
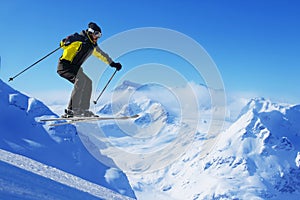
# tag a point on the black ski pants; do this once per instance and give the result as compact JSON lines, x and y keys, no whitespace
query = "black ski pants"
{"x":82,"y":91}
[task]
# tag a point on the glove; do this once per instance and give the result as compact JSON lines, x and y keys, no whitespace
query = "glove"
{"x":65,"y":42}
{"x":61,"y":44}
{"x":118,"y":66}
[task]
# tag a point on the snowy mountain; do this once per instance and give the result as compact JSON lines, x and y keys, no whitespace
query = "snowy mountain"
{"x":256,"y":157}
{"x":127,"y":85}
{"x":168,"y":152}
{"x":258,"y":152}
{"x":59,"y":147}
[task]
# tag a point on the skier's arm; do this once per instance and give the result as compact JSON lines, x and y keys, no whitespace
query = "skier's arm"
{"x":102,"y":55}
{"x":105,"y":58}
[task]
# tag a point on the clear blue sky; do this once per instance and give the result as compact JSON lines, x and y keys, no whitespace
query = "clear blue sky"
{"x":254,"y":43}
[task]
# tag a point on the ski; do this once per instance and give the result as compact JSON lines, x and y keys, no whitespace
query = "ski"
{"x":73,"y":120}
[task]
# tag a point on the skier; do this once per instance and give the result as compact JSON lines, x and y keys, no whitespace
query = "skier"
{"x":77,"y":48}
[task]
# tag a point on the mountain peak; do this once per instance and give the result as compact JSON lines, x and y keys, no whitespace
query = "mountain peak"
{"x":127,"y":85}
{"x":261,"y":104}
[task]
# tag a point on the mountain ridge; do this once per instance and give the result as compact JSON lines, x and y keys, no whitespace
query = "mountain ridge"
{"x":257,"y":157}
{"x":261,"y":144}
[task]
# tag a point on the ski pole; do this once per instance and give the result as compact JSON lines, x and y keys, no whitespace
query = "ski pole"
{"x":95,"y":102}
{"x":12,"y":78}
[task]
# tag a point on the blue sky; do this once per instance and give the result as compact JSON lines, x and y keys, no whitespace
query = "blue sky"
{"x":255,"y":44}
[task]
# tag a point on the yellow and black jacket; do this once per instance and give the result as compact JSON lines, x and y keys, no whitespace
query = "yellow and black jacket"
{"x":78,"y":47}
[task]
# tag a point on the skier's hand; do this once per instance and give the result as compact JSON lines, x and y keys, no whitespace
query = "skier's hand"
{"x":61,"y":44}
{"x":64,"y":42}
{"x":118,"y":66}
{"x":67,"y":42}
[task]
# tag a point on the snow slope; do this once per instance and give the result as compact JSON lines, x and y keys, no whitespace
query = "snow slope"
{"x":24,"y":178}
{"x":59,"y":147}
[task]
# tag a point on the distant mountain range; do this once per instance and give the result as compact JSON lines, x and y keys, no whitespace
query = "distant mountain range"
{"x":257,"y":157}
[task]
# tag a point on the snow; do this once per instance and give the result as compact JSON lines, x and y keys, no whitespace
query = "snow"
{"x":45,"y":182}
{"x":59,"y":147}
{"x":297,"y":160}
{"x":253,"y":158}
{"x":175,"y":149}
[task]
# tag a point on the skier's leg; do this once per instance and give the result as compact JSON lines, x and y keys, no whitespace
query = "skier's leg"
{"x":86,"y":91}
{"x":66,"y":71}
{"x":78,"y":92}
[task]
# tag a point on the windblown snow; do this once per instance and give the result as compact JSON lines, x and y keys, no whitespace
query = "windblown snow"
{"x":173,"y":150}
{"x":30,"y":179}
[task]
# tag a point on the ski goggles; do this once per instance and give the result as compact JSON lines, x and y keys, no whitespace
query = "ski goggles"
{"x":96,"y":33}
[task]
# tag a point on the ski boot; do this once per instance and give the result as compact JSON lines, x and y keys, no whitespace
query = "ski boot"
{"x":72,"y":113}
{"x":88,"y":113}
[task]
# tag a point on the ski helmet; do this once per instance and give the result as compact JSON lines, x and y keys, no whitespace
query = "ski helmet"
{"x":93,"y":27}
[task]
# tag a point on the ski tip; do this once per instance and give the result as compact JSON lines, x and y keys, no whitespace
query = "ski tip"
{"x":135,"y":116}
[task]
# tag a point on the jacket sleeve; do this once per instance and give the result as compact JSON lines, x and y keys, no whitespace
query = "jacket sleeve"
{"x":102,"y":55}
